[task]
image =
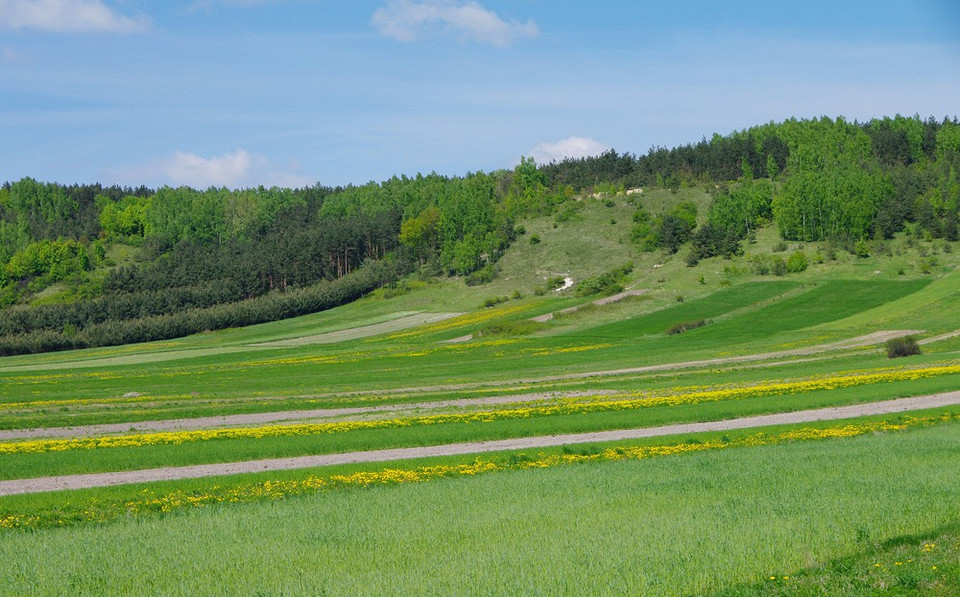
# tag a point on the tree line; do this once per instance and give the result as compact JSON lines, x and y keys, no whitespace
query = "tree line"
{"x":215,"y":252}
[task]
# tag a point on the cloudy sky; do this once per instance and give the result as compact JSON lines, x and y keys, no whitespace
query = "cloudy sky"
{"x":239,"y":93}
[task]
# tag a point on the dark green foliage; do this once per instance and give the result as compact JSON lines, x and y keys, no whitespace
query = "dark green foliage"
{"x":484,"y":275}
{"x":493,"y":301}
{"x":902,"y":347}
{"x":667,"y":231}
{"x":270,"y":307}
{"x":710,"y":241}
{"x":778,"y":266}
{"x":683,"y":326}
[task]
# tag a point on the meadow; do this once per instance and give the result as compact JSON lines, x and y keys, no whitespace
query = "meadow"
{"x":427,"y":363}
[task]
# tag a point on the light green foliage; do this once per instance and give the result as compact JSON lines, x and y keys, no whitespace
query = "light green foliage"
{"x":183,"y":213}
{"x":797,"y":262}
{"x":13,"y":237}
{"x":948,"y":141}
{"x":54,"y":259}
{"x":832,"y":191}
{"x":420,"y":234}
{"x":125,"y":218}
{"x":528,"y":192}
{"x":40,"y":202}
{"x":743,"y":208}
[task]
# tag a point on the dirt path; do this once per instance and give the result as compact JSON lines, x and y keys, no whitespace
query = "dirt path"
{"x":318,"y":414}
{"x":599,"y":303}
{"x":289,"y":416}
{"x":65,"y":482}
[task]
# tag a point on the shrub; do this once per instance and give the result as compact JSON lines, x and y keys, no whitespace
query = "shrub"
{"x":683,"y":326}
{"x":484,"y":275}
{"x":797,"y":262}
{"x":778,"y":266}
{"x":861,"y":249}
{"x":534,"y":239}
{"x":606,"y":284}
{"x":493,"y":301}
{"x":902,"y":347}
{"x":780,"y":247}
{"x":759,"y":265}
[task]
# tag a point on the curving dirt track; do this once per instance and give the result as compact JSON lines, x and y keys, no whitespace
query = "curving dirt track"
{"x":67,"y":482}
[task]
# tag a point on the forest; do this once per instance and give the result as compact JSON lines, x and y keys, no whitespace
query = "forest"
{"x":216,"y":258}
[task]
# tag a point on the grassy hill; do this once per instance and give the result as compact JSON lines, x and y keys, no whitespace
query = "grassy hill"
{"x":800,"y":505}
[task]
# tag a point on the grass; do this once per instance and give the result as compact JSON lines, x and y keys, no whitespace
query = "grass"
{"x":487,"y":423}
{"x":637,"y":527}
{"x":693,"y":524}
{"x":925,"y":563}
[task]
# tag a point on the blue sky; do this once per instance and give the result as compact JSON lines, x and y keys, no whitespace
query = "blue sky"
{"x":240,"y":93}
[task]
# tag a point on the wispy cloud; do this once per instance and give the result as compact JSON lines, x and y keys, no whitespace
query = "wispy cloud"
{"x":62,"y":16}
{"x":572,"y":147}
{"x":233,"y":170}
{"x":408,"y":20}
{"x":210,"y":4}
{"x":10,"y":56}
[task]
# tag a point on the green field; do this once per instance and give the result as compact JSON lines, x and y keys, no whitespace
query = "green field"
{"x":697,"y":513}
{"x":673,"y":526}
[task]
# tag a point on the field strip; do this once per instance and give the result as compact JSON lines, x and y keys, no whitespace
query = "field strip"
{"x":864,"y":341}
{"x":289,"y":416}
{"x":67,"y":482}
{"x":394,"y":325}
{"x":130,"y":359}
{"x":757,"y":360}
{"x":599,"y":303}
{"x":188,"y":353}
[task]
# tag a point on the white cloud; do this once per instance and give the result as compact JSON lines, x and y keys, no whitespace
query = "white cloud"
{"x":233,"y":170}
{"x":77,"y":16}
{"x":407,"y":20}
{"x":573,"y":147}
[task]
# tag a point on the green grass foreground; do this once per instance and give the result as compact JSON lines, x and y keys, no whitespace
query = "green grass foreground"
{"x":675,"y":525}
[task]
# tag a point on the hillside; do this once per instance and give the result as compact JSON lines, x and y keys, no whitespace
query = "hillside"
{"x":88,"y":266}
{"x":588,"y":409}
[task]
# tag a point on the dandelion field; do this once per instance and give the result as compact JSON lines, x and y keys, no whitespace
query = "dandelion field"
{"x":694,"y":513}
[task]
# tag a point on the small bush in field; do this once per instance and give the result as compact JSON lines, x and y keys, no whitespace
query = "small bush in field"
{"x":683,"y":326}
{"x":902,"y":347}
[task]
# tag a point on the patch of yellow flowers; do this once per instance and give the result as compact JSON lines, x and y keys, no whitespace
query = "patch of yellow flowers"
{"x":149,"y":502}
{"x":597,"y":403}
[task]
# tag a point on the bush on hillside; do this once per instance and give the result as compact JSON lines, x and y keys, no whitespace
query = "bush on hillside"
{"x":902,"y":347}
{"x":605,"y":284}
{"x":797,"y":262}
{"x":683,"y":326}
